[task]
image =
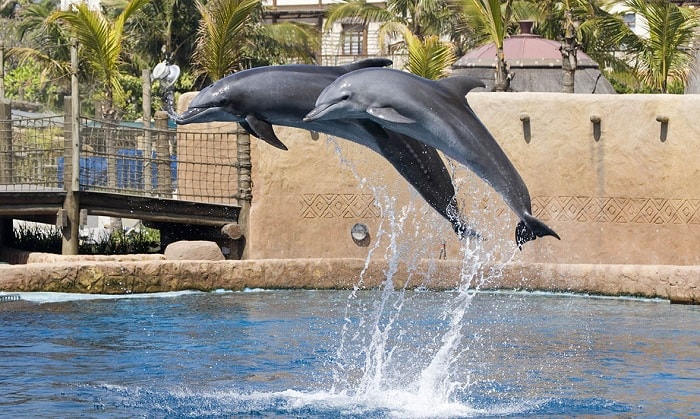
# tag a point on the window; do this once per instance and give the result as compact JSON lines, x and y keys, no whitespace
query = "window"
{"x":353,"y":38}
{"x":630,"y":20}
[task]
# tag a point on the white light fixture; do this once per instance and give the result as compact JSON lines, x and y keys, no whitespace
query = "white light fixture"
{"x":166,"y":73}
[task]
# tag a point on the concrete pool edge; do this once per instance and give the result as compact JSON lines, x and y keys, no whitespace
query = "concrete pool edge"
{"x":679,"y":284}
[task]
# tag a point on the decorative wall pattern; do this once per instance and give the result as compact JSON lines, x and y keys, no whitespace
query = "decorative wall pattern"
{"x":583,"y":209}
{"x":617,"y":209}
{"x":338,"y":206}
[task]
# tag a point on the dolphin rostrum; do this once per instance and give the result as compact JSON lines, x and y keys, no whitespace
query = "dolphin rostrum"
{"x":431,"y":112}
{"x":282,"y":95}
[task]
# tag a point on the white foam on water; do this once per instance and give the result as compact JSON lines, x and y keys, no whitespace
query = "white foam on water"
{"x":59,"y":297}
{"x":393,"y":404}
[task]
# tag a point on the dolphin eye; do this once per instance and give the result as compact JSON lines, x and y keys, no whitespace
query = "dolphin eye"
{"x":345,"y":97}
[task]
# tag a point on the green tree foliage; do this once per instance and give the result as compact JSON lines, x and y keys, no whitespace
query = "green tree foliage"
{"x":428,"y":57}
{"x":164,"y":29}
{"x":38,"y":60}
{"x":663,"y":57}
{"x":101,"y":40}
{"x":28,"y":82}
{"x":232,"y":36}
{"x":224,"y":27}
{"x":490,"y":20}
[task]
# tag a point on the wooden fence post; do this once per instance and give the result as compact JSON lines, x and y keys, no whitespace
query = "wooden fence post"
{"x":2,"y":70}
{"x":245,"y":183}
{"x":165,"y":185}
{"x":147,"y":137}
{"x":68,"y":219}
{"x":6,"y":152}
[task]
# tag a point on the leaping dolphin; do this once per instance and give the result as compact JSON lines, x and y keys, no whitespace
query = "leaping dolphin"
{"x":282,"y":95}
{"x":427,"y":110}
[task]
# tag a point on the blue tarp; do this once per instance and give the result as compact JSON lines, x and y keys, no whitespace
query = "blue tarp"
{"x":93,"y":170}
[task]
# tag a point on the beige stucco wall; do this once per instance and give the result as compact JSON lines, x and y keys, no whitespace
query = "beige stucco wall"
{"x":627,"y":198}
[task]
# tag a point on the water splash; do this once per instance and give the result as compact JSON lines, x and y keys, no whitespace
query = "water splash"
{"x":375,"y":362}
{"x":169,"y":104}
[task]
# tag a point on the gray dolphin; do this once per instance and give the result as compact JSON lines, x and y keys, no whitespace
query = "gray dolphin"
{"x":283,"y":95}
{"x":427,"y":110}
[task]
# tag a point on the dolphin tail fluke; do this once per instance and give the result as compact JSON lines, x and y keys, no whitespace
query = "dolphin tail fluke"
{"x":531,"y":228}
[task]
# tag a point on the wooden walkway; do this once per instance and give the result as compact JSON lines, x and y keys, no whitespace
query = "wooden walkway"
{"x":43,"y":206}
{"x":187,"y":184}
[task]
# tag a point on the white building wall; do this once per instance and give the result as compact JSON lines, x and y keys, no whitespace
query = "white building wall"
{"x":92,"y":4}
{"x":285,"y":3}
{"x":640,"y":25}
{"x":332,"y":45}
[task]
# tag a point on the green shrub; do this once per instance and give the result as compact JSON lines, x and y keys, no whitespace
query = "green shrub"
{"x":47,"y":239}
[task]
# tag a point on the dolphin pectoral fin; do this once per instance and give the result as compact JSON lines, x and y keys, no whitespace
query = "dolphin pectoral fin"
{"x":264,"y":131}
{"x":248,"y":129}
{"x":530,"y":229}
{"x":390,"y":114}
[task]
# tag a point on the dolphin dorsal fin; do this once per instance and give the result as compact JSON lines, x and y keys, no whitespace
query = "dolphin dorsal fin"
{"x":460,"y":85}
{"x":367,"y":62}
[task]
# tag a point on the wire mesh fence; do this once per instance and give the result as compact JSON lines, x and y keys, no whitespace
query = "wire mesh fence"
{"x":165,"y":162}
{"x":30,"y":149}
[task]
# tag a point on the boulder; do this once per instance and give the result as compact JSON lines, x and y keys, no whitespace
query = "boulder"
{"x":193,"y":250}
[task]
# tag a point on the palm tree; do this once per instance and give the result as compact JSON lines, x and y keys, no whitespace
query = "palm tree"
{"x":231,"y":37}
{"x":163,"y":30}
{"x":579,"y":24}
{"x":101,"y":41}
{"x":490,"y":20}
{"x":666,"y":54}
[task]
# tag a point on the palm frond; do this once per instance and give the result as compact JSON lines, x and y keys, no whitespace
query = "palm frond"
{"x":488,"y":18}
{"x":221,"y":33}
{"x":666,"y":54}
{"x":100,"y":41}
{"x":429,"y":57}
{"x":357,"y":11}
{"x":296,"y":39}
{"x":49,"y":63}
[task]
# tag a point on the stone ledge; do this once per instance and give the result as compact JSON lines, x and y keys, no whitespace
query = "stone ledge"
{"x":676,"y":283}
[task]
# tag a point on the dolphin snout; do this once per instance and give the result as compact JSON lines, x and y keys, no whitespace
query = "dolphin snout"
{"x":204,"y":114}
{"x":318,"y":112}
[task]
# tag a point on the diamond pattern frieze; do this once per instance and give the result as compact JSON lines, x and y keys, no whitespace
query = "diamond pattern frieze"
{"x":331,"y":205}
{"x":617,"y":209}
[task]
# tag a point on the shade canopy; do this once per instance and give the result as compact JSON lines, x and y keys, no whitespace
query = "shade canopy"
{"x":536,"y":66}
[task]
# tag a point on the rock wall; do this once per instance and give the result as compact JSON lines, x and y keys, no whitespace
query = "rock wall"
{"x":679,"y":284}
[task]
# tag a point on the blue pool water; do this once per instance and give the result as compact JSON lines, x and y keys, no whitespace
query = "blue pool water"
{"x":351,"y":354}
